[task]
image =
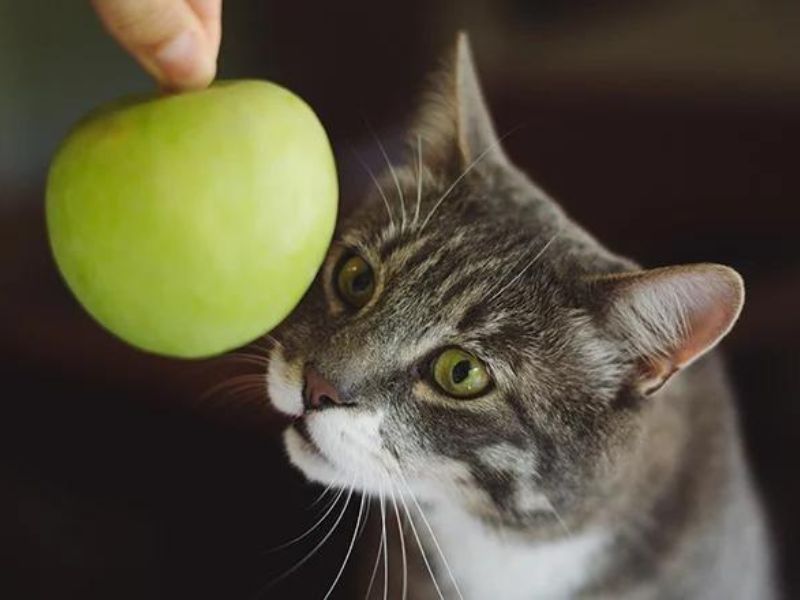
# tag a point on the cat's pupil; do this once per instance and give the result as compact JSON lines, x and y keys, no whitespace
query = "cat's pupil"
{"x":461,"y":371}
{"x":361,"y":282}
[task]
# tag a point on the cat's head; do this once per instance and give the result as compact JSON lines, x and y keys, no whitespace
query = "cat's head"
{"x":467,"y":341}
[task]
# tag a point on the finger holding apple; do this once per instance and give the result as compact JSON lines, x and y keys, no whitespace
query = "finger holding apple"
{"x":176,"y":41}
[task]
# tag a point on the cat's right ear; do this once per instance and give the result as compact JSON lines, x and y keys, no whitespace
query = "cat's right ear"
{"x":453,"y":127}
{"x":667,"y":318}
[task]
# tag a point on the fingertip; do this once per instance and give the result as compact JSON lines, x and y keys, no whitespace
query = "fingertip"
{"x":207,"y":9}
{"x":184,"y":62}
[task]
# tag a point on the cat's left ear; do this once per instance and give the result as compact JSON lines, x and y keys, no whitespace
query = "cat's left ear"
{"x":669,"y":317}
{"x":453,"y":125}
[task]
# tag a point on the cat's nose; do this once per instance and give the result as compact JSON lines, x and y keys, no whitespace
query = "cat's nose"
{"x":317,"y":392}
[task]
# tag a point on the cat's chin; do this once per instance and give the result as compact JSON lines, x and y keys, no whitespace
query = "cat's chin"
{"x":306,"y":456}
{"x":338,"y":449}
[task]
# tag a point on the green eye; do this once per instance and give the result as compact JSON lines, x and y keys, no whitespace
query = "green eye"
{"x":355,"y":282}
{"x":460,"y":374}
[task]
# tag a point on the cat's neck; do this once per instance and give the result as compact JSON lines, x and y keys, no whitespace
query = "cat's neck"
{"x":490,"y":563}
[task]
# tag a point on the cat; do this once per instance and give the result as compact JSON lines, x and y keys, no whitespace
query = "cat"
{"x":547,"y":415}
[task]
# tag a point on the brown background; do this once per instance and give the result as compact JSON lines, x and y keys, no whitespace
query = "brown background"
{"x":669,"y":128}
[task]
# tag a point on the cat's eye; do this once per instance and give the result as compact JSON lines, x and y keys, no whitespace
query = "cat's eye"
{"x":459,"y":374}
{"x":355,"y":281}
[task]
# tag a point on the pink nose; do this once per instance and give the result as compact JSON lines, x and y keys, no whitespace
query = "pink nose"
{"x":317,"y":392}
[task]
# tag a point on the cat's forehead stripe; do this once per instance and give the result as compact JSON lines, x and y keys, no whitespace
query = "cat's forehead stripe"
{"x":466,"y":283}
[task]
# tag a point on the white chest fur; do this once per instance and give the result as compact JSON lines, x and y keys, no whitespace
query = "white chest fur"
{"x":487,"y":565}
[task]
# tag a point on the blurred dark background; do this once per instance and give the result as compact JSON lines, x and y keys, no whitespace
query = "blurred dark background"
{"x":669,"y":128}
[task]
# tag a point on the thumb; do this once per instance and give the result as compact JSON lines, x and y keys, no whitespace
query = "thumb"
{"x":166,"y":37}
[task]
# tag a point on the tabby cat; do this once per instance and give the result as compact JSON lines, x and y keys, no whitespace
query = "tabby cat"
{"x":538,"y":417}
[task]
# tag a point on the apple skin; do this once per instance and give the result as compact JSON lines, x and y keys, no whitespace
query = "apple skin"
{"x":191,"y":224}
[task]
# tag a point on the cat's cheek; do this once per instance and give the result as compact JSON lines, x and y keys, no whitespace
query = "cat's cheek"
{"x":285,"y":384}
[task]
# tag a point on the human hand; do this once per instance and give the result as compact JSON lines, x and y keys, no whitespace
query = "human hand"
{"x":176,"y":41}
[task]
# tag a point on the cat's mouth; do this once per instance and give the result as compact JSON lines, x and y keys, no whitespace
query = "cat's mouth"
{"x":309,"y":445}
{"x":306,"y":453}
{"x":300,"y":425}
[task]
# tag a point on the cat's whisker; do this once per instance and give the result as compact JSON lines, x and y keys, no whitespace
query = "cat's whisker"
{"x":247,"y":392}
{"x":377,"y":558}
{"x":419,"y":180}
{"x":377,"y":185}
{"x":250,"y":360}
{"x":321,"y":496}
{"x":260,"y":345}
{"x":502,"y":279}
{"x":315,"y":549}
{"x":311,"y":529}
{"x":400,"y":195}
{"x":525,"y":268}
{"x":234,"y":391}
{"x":553,"y":510}
{"x":269,"y":338}
{"x":244,"y":389}
{"x":327,"y":505}
{"x":330,"y":502}
{"x":466,"y":171}
{"x":259,"y":360}
{"x":384,"y":537}
{"x":402,"y":545}
{"x":364,"y":520}
{"x":421,"y":547}
{"x":349,"y":549}
{"x":240,"y":354}
{"x":430,"y":531}
{"x":253,"y":380}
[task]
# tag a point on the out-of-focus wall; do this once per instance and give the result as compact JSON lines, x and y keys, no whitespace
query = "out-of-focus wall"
{"x":737,"y":50}
{"x":55,"y":64}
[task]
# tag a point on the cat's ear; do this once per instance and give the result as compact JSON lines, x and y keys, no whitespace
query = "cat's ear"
{"x":671,"y":316}
{"x":453,"y":126}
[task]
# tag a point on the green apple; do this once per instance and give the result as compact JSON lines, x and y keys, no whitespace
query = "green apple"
{"x":191,"y":224}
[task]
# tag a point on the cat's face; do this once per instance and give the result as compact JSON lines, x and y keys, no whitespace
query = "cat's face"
{"x":459,"y":354}
{"x":456,"y":342}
